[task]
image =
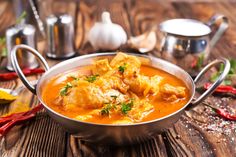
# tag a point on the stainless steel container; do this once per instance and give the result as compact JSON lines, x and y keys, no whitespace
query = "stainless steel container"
{"x":187,"y":40}
{"x":60,"y":36}
{"x":115,"y":133}
{"x":21,"y":34}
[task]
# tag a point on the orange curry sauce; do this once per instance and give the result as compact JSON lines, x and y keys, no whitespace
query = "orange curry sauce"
{"x":161,"y":107}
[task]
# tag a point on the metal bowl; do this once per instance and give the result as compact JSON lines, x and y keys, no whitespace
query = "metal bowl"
{"x":111,"y":133}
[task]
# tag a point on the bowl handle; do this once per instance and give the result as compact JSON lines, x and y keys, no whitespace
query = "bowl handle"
{"x":222,"y":28}
{"x":215,"y":84}
{"x":17,"y":68}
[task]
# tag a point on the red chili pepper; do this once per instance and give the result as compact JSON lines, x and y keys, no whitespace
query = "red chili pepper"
{"x":224,"y":114}
{"x":8,"y":122}
{"x":5,"y":128}
{"x":221,"y":112}
{"x":222,"y":88}
{"x":27,"y":72}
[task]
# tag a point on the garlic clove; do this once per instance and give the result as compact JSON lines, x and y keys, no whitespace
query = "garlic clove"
{"x":144,"y":42}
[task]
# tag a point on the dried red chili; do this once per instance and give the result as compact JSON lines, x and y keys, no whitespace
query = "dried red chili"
{"x":27,"y":72}
{"x":221,"y":112}
{"x":222,"y":88}
{"x":224,"y":114}
{"x":8,"y":122}
{"x":6,"y":127}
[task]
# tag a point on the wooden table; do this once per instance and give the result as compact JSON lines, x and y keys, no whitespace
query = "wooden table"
{"x":197,"y":133}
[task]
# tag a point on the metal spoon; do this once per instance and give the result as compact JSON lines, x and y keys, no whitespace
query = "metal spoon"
{"x":16,"y":91}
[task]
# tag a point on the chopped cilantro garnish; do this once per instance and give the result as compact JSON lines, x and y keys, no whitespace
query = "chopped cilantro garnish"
{"x":125,"y":107}
{"x":122,"y":68}
{"x":106,"y":110}
{"x":91,"y":78}
{"x":64,"y":90}
{"x":114,"y":96}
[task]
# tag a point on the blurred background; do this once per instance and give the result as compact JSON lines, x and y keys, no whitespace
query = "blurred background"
{"x":135,"y":16}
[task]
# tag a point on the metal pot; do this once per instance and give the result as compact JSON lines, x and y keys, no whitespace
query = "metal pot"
{"x":187,"y":40}
{"x":110,"y":133}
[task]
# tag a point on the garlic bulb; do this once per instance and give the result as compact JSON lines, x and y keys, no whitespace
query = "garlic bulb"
{"x":106,"y":35}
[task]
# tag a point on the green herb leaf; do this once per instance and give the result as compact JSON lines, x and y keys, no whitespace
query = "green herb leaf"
{"x":21,"y":17}
{"x":125,"y":107}
{"x":122,"y":68}
{"x":114,"y":96}
{"x":232,"y":66}
{"x":65,"y":89}
{"x":227,"y":82}
{"x":231,"y":73}
{"x":91,"y":78}
{"x":200,"y":61}
{"x":106,"y":110}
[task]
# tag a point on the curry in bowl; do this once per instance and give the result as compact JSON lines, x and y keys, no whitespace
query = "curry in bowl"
{"x":120,"y":91}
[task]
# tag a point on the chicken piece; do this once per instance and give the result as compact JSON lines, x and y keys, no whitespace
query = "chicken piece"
{"x":116,"y":96}
{"x":131,"y":64}
{"x":101,"y":67}
{"x":122,"y":58}
{"x":140,"y":110}
{"x":86,"y":95}
{"x":144,"y":85}
{"x":91,"y":96}
{"x":171,"y":93}
{"x":112,"y":81}
{"x":139,"y":84}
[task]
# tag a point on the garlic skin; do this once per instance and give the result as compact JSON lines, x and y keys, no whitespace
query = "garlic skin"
{"x":144,"y":43}
{"x":106,"y":35}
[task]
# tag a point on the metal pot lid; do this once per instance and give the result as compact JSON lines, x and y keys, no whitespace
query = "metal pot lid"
{"x":185,"y":27}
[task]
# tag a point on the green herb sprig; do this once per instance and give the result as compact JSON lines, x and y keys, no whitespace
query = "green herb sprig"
{"x":91,"y":78}
{"x":125,"y":107}
{"x":198,"y":62}
{"x":122,"y":68}
{"x":114,"y":97}
{"x":106,"y":110}
{"x":65,"y":89}
{"x":232,"y":72}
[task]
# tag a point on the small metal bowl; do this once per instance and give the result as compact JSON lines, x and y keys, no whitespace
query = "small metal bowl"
{"x":111,"y":133}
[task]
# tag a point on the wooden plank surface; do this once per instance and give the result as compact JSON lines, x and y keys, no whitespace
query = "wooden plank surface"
{"x":198,"y":133}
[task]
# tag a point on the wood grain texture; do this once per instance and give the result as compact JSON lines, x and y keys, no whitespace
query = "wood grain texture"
{"x":192,"y":135}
